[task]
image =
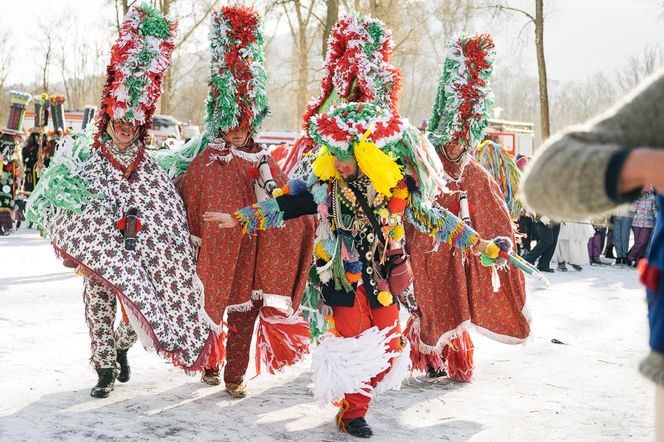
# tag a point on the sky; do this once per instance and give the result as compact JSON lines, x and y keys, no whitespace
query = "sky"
{"x":581,"y":37}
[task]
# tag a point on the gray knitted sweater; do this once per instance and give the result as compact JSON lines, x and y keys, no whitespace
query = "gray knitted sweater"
{"x":574,"y":175}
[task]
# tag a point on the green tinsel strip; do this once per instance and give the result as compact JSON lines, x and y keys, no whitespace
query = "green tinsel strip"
{"x":60,"y":187}
{"x":309,"y":308}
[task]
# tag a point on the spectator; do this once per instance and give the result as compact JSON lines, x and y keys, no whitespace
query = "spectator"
{"x":546,"y":235}
{"x":572,"y":246}
{"x":610,"y":245}
{"x":642,"y":225}
{"x":622,"y":222}
{"x":596,"y":243}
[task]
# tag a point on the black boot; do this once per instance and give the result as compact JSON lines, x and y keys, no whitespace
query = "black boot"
{"x":358,"y":427}
{"x":105,"y":383}
{"x":125,"y":370}
{"x":433,"y":373}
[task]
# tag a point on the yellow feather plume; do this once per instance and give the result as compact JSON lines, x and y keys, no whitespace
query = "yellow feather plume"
{"x":323,"y":165}
{"x":382,"y":169}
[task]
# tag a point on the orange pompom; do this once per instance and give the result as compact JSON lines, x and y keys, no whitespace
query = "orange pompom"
{"x":397,"y":205}
{"x":353,"y":277}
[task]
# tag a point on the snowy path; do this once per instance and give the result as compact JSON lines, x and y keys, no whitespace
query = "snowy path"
{"x":586,"y":390}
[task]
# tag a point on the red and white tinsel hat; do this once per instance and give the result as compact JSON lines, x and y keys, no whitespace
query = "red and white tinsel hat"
{"x":139,"y":59}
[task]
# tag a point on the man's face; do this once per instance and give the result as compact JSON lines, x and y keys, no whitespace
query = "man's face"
{"x":454,"y":150}
{"x":124,"y":131}
{"x":347,"y":169}
{"x":237,"y":135}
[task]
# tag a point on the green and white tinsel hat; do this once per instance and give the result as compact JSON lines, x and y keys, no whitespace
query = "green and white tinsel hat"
{"x":461,"y":109}
{"x":237,"y":95}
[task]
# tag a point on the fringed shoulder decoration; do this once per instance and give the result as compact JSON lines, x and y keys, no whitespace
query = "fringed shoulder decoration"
{"x":440,"y":224}
{"x":175,"y":162}
{"x":503,"y":168}
{"x":61,"y":187}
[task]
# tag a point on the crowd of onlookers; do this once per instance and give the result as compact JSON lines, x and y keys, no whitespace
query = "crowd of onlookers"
{"x":619,"y":239}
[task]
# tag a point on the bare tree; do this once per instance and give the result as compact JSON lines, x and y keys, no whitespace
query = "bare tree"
{"x":45,"y":48}
{"x":538,"y":21}
{"x":299,"y":14}
{"x":331,"y":17}
{"x":5,"y":63}
{"x":197,"y":15}
{"x":5,"y":59}
{"x":639,"y":67}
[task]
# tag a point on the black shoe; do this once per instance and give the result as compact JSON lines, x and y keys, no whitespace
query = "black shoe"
{"x":433,"y":374}
{"x":125,"y":370}
{"x":619,"y":261}
{"x":562,"y":267}
{"x":547,"y":270}
{"x":105,"y":383}
{"x":627,"y":262}
{"x":358,"y":427}
{"x":576,"y":267}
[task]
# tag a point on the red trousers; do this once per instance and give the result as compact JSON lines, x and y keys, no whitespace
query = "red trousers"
{"x":238,"y":344}
{"x":351,"y":321}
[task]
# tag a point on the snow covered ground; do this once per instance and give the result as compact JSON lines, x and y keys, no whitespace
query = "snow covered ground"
{"x":586,"y":389}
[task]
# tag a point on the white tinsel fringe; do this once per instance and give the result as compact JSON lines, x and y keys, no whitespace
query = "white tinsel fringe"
{"x":346,"y":365}
{"x":279,"y":301}
{"x":400,"y":369}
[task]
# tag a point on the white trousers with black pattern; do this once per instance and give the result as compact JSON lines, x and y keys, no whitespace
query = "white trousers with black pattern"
{"x":100,"y":308}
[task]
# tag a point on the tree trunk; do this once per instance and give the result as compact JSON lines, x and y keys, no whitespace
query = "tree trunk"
{"x":302,"y":94}
{"x":47,"y":61}
{"x":165,"y":107}
{"x":330,"y":19}
{"x":541,"y":67}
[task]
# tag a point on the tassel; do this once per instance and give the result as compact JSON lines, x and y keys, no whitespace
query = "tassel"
{"x":495,"y":279}
{"x":281,"y":340}
{"x":459,"y":356}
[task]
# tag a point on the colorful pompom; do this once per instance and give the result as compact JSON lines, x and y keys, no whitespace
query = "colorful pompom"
{"x":385,"y":298}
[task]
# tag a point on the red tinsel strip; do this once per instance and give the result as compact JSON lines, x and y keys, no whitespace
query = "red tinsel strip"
{"x":459,"y":356}
{"x":280,"y":341}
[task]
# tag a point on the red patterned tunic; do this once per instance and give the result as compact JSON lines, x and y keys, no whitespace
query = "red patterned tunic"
{"x":453,"y":291}
{"x":233,"y":266}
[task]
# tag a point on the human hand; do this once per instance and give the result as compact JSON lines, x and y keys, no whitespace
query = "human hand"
{"x":480,"y":246}
{"x":642,"y":168}
{"x":225,"y":220}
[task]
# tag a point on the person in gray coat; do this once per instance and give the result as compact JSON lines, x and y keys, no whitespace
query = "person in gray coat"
{"x":590,"y":169}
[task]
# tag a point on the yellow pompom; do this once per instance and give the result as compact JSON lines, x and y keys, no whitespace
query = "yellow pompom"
{"x":397,"y":233}
{"x":384,"y":213}
{"x":323,"y":165}
{"x":492,"y":250}
{"x":320,"y":251}
{"x":277,"y":193}
{"x":400,"y":192}
{"x":382,"y":169}
{"x":385,"y":298}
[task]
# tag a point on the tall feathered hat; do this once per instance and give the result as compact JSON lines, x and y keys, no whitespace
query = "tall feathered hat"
{"x":356,"y":70}
{"x":461,"y":110}
{"x":237,"y":95}
{"x":18,"y":101}
{"x":381,"y":143}
{"x":139,"y":58}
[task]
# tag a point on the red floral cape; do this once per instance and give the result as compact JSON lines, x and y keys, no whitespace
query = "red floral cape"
{"x":454,"y":291}
{"x":234,"y":266}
